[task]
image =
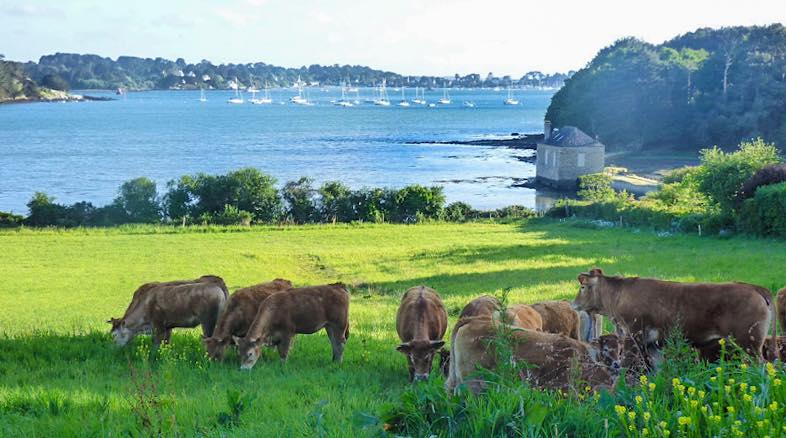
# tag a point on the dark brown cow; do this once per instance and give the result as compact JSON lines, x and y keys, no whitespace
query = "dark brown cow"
{"x":559,"y":317}
{"x":160,"y":307}
{"x":781,"y":309}
{"x":649,"y":309}
{"x":421,"y":323}
{"x":769,"y":353}
{"x":303,"y":310}
{"x":240,"y":311}
{"x":552,"y":360}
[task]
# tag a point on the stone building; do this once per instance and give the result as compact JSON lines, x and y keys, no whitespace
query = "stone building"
{"x":566,"y":154}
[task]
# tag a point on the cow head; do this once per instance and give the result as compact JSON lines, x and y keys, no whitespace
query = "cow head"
{"x":420,"y":355}
{"x":588,"y":298}
{"x":215,"y":347}
{"x":609,"y":351}
{"x":120,"y":332}
{"x":248,"y":350}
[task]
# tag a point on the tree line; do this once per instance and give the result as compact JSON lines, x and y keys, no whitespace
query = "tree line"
{"x":247,"y":196}
{"x":79,"y":71}
{"x":711,"y":86}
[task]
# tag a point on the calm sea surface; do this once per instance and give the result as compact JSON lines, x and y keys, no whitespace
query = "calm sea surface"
{"x":84,"y":151}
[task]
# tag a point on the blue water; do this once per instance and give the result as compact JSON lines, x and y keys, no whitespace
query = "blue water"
{"x":84,"y":151}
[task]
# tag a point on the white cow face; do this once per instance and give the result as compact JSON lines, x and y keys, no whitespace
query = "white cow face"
{"x":120,"y":332}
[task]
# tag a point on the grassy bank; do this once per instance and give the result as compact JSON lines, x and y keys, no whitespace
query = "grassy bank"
{"x":60,"y":374}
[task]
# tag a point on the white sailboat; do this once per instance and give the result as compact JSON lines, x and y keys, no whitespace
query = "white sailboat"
{"x":264,"y":100}
{"x":202,"y":97}
{"x":382,"y":99}
{"x":403,"y":102}
{"x":445,"y":97}
{"x":469,"y":104}
{"x":343,"y":102}
{"x":419,"y":99}
{"x":299,"y":99}
{"x":510,"y":100}
{"x":238,"y":99}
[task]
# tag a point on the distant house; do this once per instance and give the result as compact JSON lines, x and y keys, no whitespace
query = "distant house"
{"x":566,"y":154}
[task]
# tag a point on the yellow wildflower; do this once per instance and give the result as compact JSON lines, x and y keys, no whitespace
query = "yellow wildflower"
{"x":684,"y":421}
{"x":647,"y":416}
{"x":744,"y":367}
{"x":731,"y":381}
{"x":691,"y":390}
{"x":645,"y":432}
{"x":730,"y":409}
{"x":743,"y":386}
{"x":776,"y":382}
{"x":722,"y":342}
{"x":632,"y":415}
{"x":774,"y":406}
{"x":718,"y":370}
{"x":662,"y":424}
{"x":694,"y":403}
{"x":753,"y":389}
{"x":770,"y":369}
{"x":675,"y":381}
{"x":620,"y":409}
{"x":643,"y":379}
{"x":652,"y":387}
{"x":639,"y":399}
{"x":747,"y":397}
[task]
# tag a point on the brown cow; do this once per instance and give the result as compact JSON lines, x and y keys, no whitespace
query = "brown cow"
{"x":484,"y":305}
{"x":524,"y":316}
{"x":649,"y":309}
{"x":240,"y":311}
{"x":160,"y":307}
{"x":304,"y":310}
{"x":551,"y":359}
{"x":769,"y":353}
{"x":609,"y":350}
{"x":559,"y":317}
{"x":781,"y":309}
{"x":421,"y":323}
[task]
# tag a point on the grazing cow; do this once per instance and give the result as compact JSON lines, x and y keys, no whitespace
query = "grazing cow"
{"x":524,"y":316}
{"x":421,"y":323}
{"x":780,"y":301}
{"x":160,"y":307}
{"x":304,"y":310}
{"x":552,"y":360}
{"x":558,"y":317}
{"x":484,"y":305}
{"x":649,"y":309}
{"x":240,"y":311}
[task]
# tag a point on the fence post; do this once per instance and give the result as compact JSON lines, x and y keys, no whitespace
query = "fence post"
{"x":699,"y":230}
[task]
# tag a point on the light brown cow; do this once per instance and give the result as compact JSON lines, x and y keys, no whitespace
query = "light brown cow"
{"x":421,"y":323}
{"x":551,"y":360}
{"x":240,"y":311}
{"x":524,"y":316}
{"x":559,"y":318}
{"x":649,"y":309}
{"x":160,"y":307}
{"x":484,"y":305}
{"x":304,"y":310}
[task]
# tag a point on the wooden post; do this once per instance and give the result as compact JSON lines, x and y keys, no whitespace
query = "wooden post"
{"x":699,"y":230}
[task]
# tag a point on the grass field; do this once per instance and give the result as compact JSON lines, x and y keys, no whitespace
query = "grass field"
{"x":60,"y":375}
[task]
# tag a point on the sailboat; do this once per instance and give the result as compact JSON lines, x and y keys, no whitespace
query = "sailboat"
{"x":238,"y":99}
{"x":445,"y":97}
{"x":202,"y":97}
{"x":382,"y":99}
{"x":343,"y":101}
{"x":418,"y":99}
{"x":299,"y":99}
{"x":403,"y":101}
{"x":510,"y":100}
{"x":263,"y":101}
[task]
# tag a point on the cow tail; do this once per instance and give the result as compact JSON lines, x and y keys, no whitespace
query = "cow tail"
{"x":346,"y":332}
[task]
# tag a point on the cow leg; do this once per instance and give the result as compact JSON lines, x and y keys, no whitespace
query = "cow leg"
{"x":209,"y":325}
{"x":159,"y":334}
{"x":283,"y":347}
{"x":337,"y":341}
{"x":166,"y":335}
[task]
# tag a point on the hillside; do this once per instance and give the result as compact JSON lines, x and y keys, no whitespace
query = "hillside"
{"x":94,"y":72}
{"x":708,"y":87}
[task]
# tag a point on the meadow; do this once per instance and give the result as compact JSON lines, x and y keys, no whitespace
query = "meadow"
{"x":60,"y":374}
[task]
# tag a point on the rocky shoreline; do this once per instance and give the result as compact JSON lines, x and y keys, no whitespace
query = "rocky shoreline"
{"x":517,"y":141}
{"x":54,"y":96}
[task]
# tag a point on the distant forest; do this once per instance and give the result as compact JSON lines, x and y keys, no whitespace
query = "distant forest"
{"x":95,"y":72}
{"x":704,"y":88}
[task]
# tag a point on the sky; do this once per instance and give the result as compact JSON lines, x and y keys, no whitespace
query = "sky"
{"x":417,"y":37}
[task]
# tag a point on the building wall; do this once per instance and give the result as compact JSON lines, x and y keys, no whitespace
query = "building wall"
{"x":560,"y":167}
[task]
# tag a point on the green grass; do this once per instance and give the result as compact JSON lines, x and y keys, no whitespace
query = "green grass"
{"x":61,"y":375}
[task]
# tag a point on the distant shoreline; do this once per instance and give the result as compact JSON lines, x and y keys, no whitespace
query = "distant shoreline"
{"x":65,"y":97}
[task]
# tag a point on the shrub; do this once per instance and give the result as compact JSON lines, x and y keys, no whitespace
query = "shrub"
{"x":10,"y":220}
{"x":769,"y":174}
{"x":595,"y":187}
{"x":765,"y":213}
{"x":722,"y":175}
{"x":373,"y":205}
{"x":230,"y":215}
{"x":138,"y":200}
{"x":457,"y":211}
{"x":415,"y":200}
{"x":299,"y":196}
{"x":336,"y":203}
{"x":43,"y":210}
{"x":54,"y":81}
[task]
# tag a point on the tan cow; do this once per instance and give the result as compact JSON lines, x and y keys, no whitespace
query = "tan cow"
{"x":421,"y":323}
{"x":649,"y":309}
{"x":240,"y":311}
{"x":524,"y":316}
{"x":551,"y":360}
{"x":484,"y":305}
{"x":160,"y":307}
{"x":559,"y":318}
{"x":304,"y":310}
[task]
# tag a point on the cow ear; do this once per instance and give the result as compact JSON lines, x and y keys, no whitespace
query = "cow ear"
{"x":596,"y":272}
{"x":404,"y":347}
{"x":437,"y":344}
{"x":584,"y":277}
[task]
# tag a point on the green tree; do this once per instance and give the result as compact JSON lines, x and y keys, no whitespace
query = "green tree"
{"x":299,"y":196}
{"x":138,"y":199}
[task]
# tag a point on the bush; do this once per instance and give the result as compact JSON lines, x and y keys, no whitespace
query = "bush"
{"x":765,"y":213}
{"x":10,"y":220}
{"x":43,"y":211}
{"x":230,"y":215}
{"x":138,"y":201}
{"x":457,"y":211}
{"x":336,"y":205}
{"x":417,"y":201}
{"x":595,"y":187}
{"x":769,"y":174}
{"x":722,"y":175}
{"x":300,"y":198}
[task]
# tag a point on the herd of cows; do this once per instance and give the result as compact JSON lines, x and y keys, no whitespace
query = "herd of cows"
{"x":559,"y":341}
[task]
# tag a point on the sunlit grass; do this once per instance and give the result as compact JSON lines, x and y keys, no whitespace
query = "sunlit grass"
{"x":60,"y":374}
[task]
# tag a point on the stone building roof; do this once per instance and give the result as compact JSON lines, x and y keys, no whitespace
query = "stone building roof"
{"x":570,"y":136}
